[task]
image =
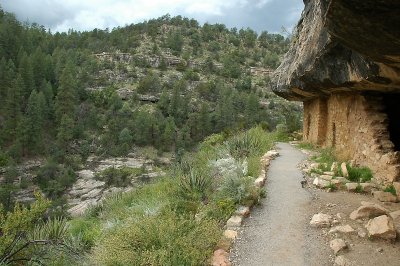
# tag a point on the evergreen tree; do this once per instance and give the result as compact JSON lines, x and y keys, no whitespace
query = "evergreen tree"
{"x":66,"y":99}
{"x":65,"y":132}
{"x":33,"y":122}
{"x":12,"y":110}
{"x":26,"y":71}
{"x":169,"y":134}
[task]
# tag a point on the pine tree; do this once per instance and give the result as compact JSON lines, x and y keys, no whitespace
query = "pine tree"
{"x":26,"y":71}
{"x":31,"y":133}
{"x":66,"y":99}
{"x":65,"y":131}
{"x":169,"y":134}
{"x":12,"y":110}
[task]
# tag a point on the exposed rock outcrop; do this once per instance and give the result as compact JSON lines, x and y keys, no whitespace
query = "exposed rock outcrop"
{"x":342,"y":46}
{"x":344,"y":64}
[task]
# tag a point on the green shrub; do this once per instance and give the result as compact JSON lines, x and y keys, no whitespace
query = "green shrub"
{"x":165,"y":239}
{"x":254,"y":142}
{"x":359,"y":174}
{"x":54,"y":179}
{"x":240,"y":188}
{"x":253,"y":166}
{"x":87,"y":230}
{"x":119,"y":177}
{"x":306,"y":146}
{"x":391,"y":189}
{"x":4,"y":159}
{"x":221,"y":209}
{"x":326,"y":158}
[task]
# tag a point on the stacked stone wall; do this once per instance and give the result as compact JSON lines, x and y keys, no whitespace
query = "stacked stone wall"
{"x":356,"y":126}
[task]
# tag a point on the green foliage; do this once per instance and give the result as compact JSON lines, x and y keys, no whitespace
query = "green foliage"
{"x":240,"y":189}
{"x":358,"y":174}
{"x":391,"y":189}
{"x":194,"y":183}
{"x":25,"y":238}
{"x":87,"y":230}
{"x":150,"y":242}
{"x":119,"y":177}
{"x":54,"y":179}
{"x":150,"y":83}
{"x":250,"y":143}
{"x":221,"y":210}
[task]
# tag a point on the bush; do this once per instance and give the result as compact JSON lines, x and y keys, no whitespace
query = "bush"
{"x":87,"y":230}
{"x":165,"y":239}
{"x":54,"y":179}
{"x":359,"y":174}
{"x":391,"y":189}
{"x":119,"y":177}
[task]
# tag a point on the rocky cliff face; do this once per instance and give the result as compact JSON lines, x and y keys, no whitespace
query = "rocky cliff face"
{"x":342,"y":45}
{"x":344,"y":64}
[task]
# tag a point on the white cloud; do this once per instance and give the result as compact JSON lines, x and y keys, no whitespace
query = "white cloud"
{"x":61,"y":15}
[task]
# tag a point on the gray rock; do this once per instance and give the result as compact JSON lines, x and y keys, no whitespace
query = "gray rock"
{"x":234,"y":222}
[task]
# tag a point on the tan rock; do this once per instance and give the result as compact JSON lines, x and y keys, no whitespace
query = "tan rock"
{"x":220,"y":258}
{"x":337,"y":245}
{"x":368,"y":210}
{"x":315,"y":165}
{"x":385,"y":196}
{"x":326,"y":177}
{"x":351,"y":187}
{"x":321,"y":220}
{"x":259,"y":182}
{"x":334,"y":167}
{"x":381,"y":227}
{"x":344,"y":170}
{"x":366,"y":187}
{"x":321,"y":183}
{"x":329,"y":173}
{"x":230,"y":234}
{"x":234,"y":221}
{"x":396,"y":220}
{"x":243,"y":211}
{"x":342,"y":179}
{"x":272,"y":154}
{"x":345,"y":229}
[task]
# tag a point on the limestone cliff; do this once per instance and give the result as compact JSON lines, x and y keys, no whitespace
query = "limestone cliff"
{"x":342,"y":45}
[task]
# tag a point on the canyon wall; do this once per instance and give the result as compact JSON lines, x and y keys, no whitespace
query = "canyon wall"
{"x":344,"y":65}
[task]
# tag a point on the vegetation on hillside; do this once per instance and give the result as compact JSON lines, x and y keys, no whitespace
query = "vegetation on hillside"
{"x":165,"y":85}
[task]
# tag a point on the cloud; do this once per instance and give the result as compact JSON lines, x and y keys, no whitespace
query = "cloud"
{"x":61,"y":15}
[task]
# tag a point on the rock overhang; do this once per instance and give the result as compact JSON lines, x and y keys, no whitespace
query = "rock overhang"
{"x":342,"y":45}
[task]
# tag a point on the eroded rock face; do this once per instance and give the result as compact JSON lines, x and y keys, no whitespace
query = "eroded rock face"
{"x":342,"y":46}
{"x":344,"y":64}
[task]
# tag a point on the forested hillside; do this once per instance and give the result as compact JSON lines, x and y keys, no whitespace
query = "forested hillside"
{"x":166,"y":84}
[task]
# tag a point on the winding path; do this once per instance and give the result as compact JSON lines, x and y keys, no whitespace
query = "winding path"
{"x":278,"y":233}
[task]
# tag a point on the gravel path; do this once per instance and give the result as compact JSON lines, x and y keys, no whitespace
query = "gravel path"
{"x":278,"y":233}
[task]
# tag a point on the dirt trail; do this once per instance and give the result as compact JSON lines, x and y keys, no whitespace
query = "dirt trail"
{"x":277,"y":232}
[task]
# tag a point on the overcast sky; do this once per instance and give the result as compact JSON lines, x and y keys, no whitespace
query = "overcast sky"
{"x":61,"y":15}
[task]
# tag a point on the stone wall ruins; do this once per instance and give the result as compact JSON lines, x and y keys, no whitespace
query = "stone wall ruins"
{"x":356,"y":126}
{"x":344,"y":65}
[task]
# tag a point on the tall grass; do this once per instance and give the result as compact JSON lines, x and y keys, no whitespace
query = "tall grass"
{"x":176,"y":220}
